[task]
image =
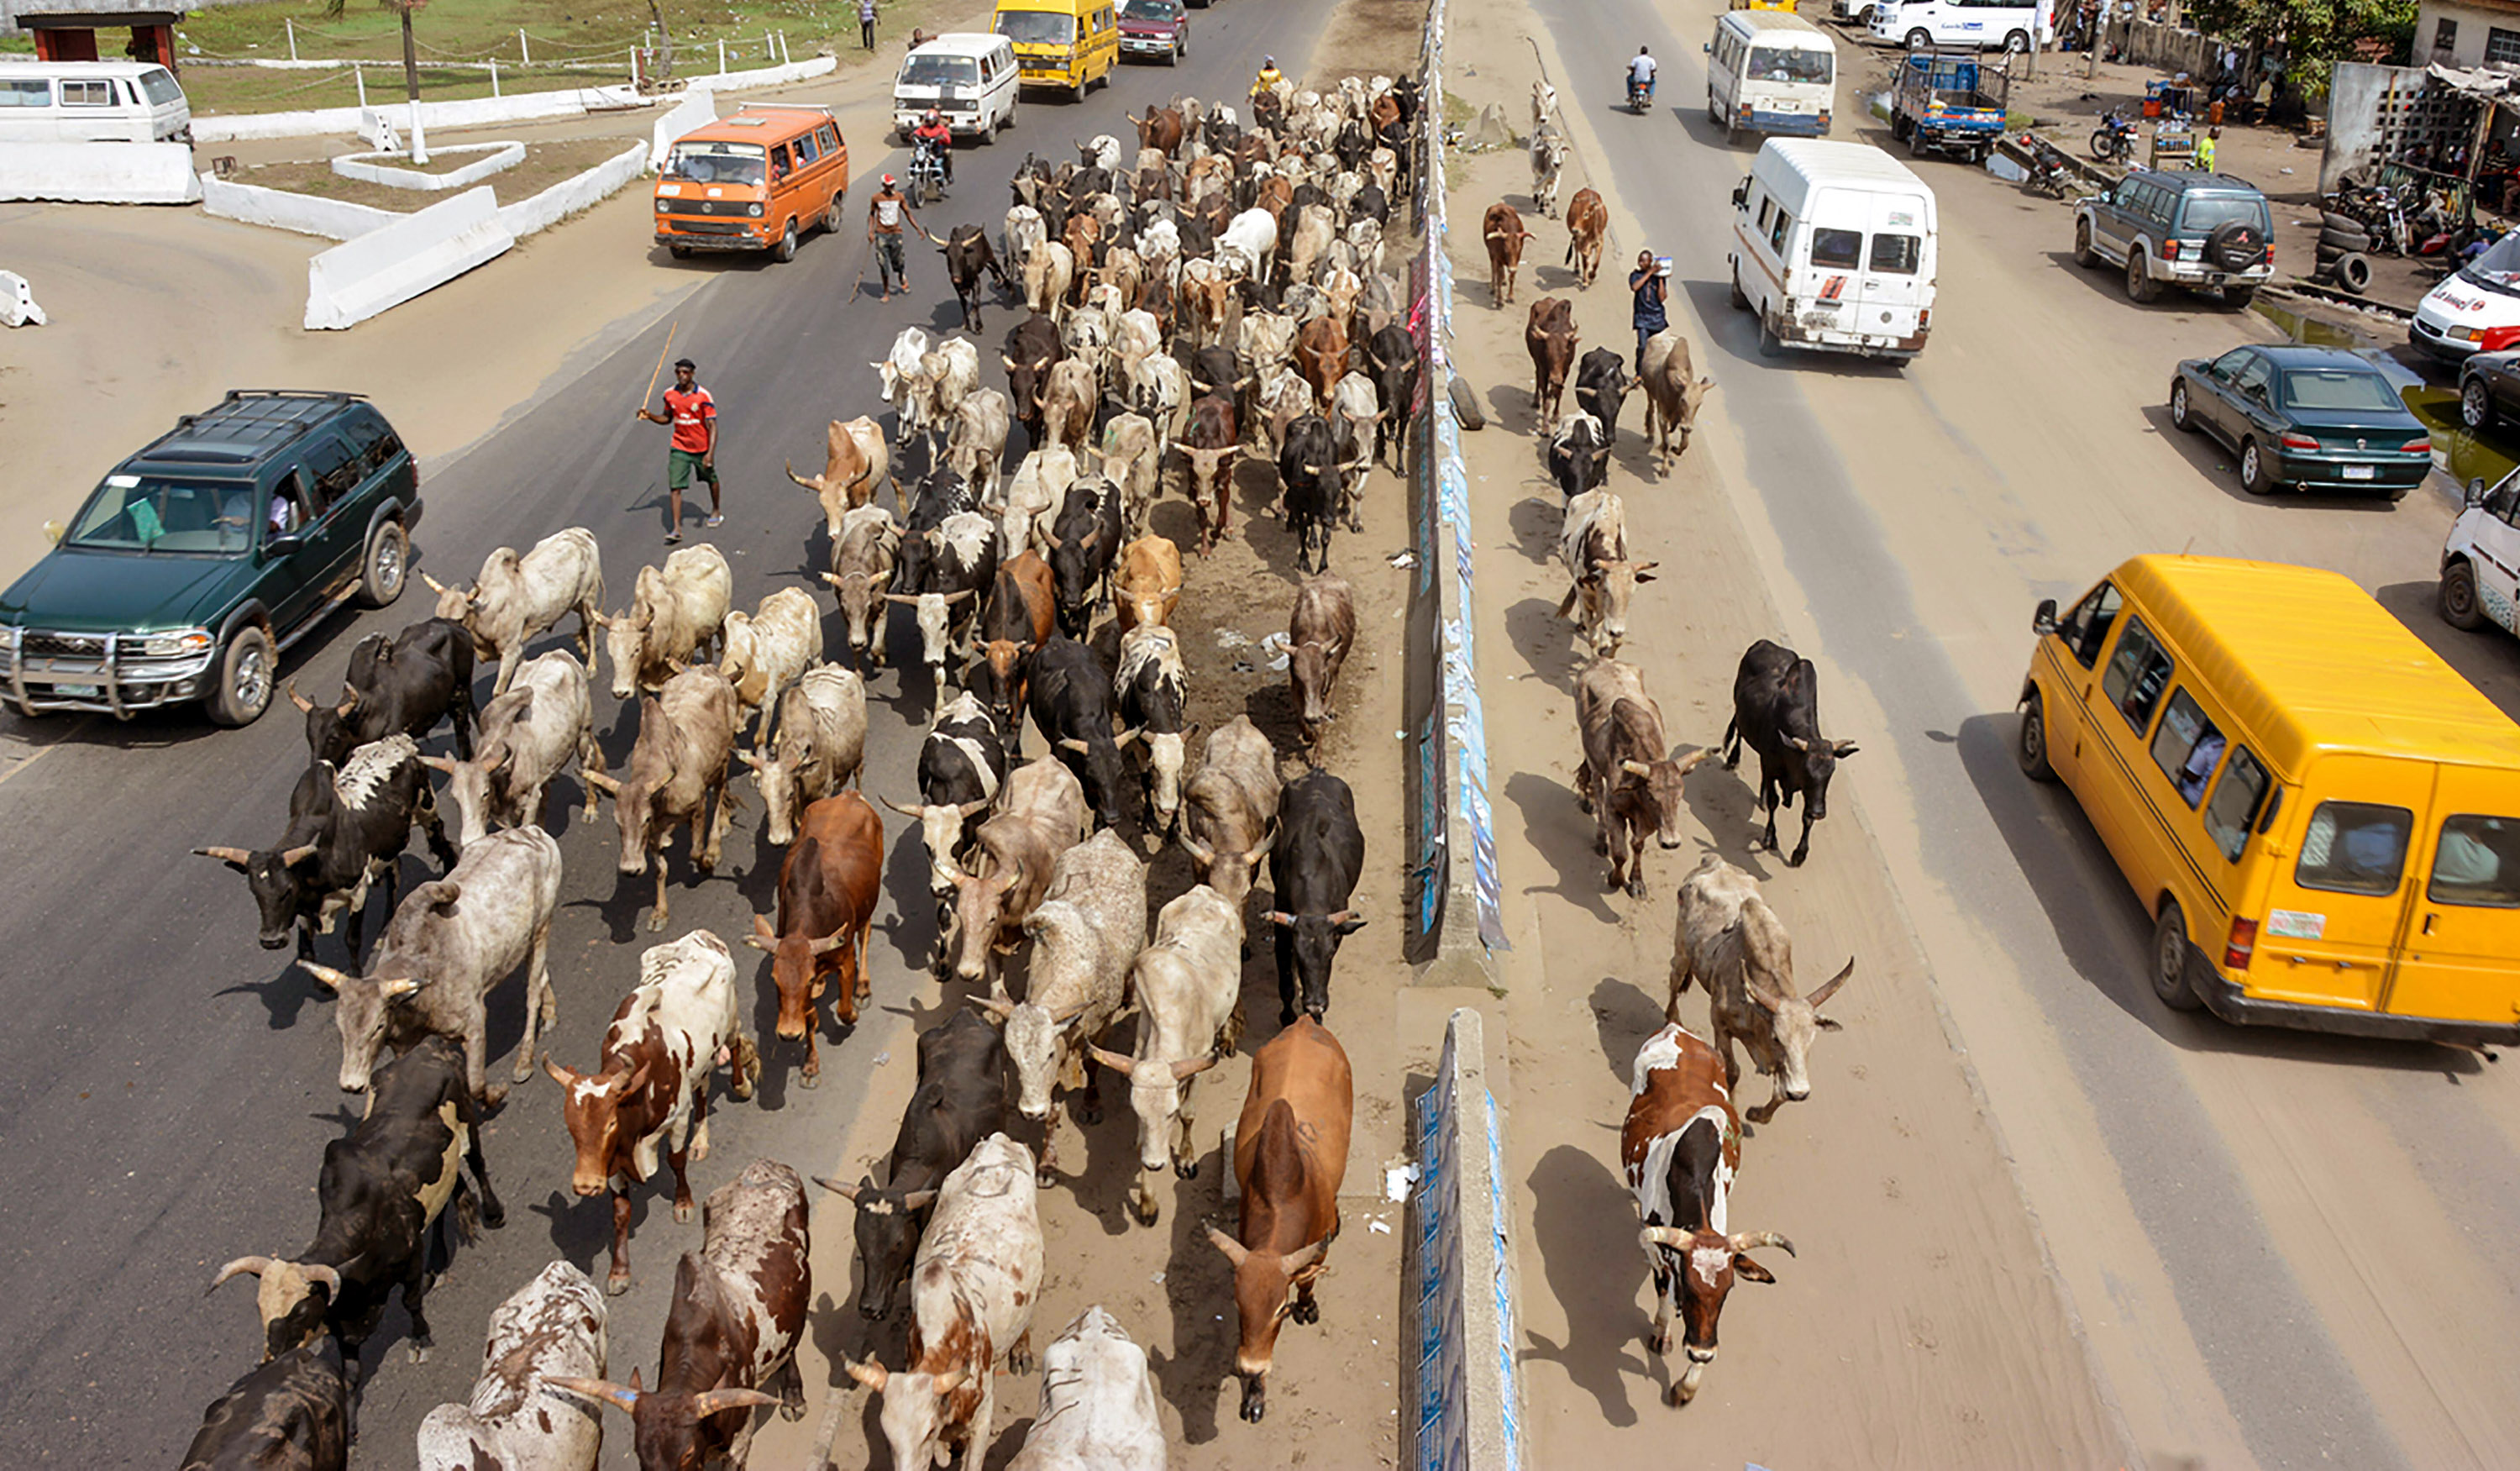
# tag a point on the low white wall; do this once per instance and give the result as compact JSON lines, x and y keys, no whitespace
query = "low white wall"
{"x":495,"y":156}
{"x":307,"y":214}
{"x":99,"y":173}
{"x":697,"y":109}
{"x":357,"y":279}
{"x":569,"y":195}
{"x":762,"y":76}
{"x":471,"y":112}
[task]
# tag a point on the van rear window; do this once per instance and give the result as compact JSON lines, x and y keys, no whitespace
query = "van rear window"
{"x":160,"y":87}
{"x":2478,"y":864}
{"x":1897,"y":253}
{"x":25,"y":94}
{"x":1837,"y":247}
{"x":1782,"y":63}
{"x":2354,"y":848}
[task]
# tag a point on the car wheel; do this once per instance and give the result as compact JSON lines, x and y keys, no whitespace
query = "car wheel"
{"x":831,"y":214}
{"x":2084,"y":255}
{"x":2170,"y":960}
{"x":2029,"y":742}
{"x":2476,"y":405}
{"x":2458,"y":604}
{"x":2139,"y":284}
{"x":1740,"y":298}
{"x":387,"y":568}
{"x":2179,"y":407}
{"x":1919,"y":39}
{"x":2253,"y":471}
{"x":245,"y":672}
{"x":2017,"y":42}
{"x":788,"y":240}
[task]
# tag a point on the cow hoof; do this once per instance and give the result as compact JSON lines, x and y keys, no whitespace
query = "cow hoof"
{"x":494,"y":1097}
{"x":1148,"y":1212}
{"x":1601,"y":845}
{"x":1305,"y":1310}
{"x":1091,"y":1114}
{"x":1637,"y":887}
{"x":1045,"y":1179}
{"x":495,"y":1218}
{"x":810,"y":1080}
{"x":616,"y":1285}
{"x":655,"y":924}
{"x":1187,"y":1168}
{"x":682,"y":1210}
{"x":1657,"y":1344}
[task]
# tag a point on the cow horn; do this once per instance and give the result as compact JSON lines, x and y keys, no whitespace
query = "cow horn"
{"x":237,"y":855}
{"x":994,"y":1006}
{"x":719,"y":1401}
{"x":1751,"y":1240}
{"x":1200,"y":853}
{"x":434,"y":585}
{"x":1821,"y":997}
{"x":1190,"y":1067}
{"x":1281,"y":919}
{"x":910,"y":598}
{"x":763,"y":937}
{"x":1113,"y":1060}
{"x":830,"y":942}
{"x":1636,"y":768}
{"x":559,"y":1072}
{"x":974,"y":808}
{"x":1125,"y":737}
{"x":618,"y":1396}
{"x":949,"y":1381}
{"x":1664,"y":1235}
{"x":952,"y":597}
{"x":1798,"y":743}
{"x":444,"y":764}
{"x":915,"y":813}
{"x":870,"y":1374}
{"x":1296,"y":1261}
{"x":1844,"y":748}
{"x":1692,"y":760}
{"x":919,"y":1200}
{"x":241,"y":1267}
{"x":325,"y":1277}
{"x":304,"y":705}
{"x":334,"y":980}
{"x":601,"y":783}
{"x":843,"y":1188}
{"x":1071,"y":743}
{"x":1235,"y":1251}
{"x":400,"y":987}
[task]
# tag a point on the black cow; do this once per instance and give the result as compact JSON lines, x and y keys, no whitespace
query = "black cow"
{"x":1601,"y":384}
{"x":1579,"y":456}
{"x":1392,"y":359}
{"x":402,"y":686}
{"x":1307,"y":469}
{"x":962,"y":769}
{"x":347,"y":826}
{"x":1084,"y":541}
{"x":1214,"y":370}
{"x":1353,"y":144}
{"x":962,"y":1098}
{"x":1031,"y":181}
{"x":966,"y":255}
{"x":292,"y":1413}
{"x":1775,"y":708}
{"x":1152,"y":692}
{"x":1314,"y":867}
{"x":941,"y":494}
{"x":1032,"y":345}
{"x":1069,"y":695}
{"x":1371,"y":203}
{"x":381,"y":1192}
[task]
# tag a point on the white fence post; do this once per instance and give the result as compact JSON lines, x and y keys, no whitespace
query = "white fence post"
{"x":359,"y":75}
{"x":494,"y":76}
{"x":293,"y":36}
{"x":721,"y":56}
{"x":524,"y":47}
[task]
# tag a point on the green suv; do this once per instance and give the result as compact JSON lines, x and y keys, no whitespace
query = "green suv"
{"x":208,"y":553}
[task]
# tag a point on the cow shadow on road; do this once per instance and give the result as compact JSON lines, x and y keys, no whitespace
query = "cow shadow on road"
{"x":1537,"y":523}
{"x":1562,"y":836}
{"x":1624,"y":1013}
{"x":1545,"y":642}
{"x":1582,"y":1221}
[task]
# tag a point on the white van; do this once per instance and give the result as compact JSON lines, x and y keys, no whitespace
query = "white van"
{"x":1917,"y":24}
{"x":92,"y":102}
{"x":1833,"y":248}
{"x":1770,"y":71}
{"x":970,"y":76}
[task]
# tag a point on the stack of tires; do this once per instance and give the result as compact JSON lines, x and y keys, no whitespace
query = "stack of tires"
{"x":2344,"y":261}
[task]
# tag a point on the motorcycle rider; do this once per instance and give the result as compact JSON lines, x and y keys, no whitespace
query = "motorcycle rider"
{"x":1641,"y":73}
{"x":932,"y":133}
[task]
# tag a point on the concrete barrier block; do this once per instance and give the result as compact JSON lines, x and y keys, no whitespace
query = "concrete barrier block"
{"x":17,"y":306}
{"x":99,"y":173}
{"x":371,"y":167}
{"x":1464,"y":1288}
{"x":470,"y":112}
{"x":569,"y":195}
{"x":282,"y":209}
{"x":695,"y":110}
{"x":357,"y":279}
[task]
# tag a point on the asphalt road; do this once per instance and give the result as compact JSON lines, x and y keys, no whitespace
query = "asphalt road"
{"x":166,"y":1087}
{"x":2286,"y":1249}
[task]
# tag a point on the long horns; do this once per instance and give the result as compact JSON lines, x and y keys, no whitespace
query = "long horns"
{"x":621,"y":1397}
{"x":241,"y":1267}
{"x":236,"y":856}
{"x":1821,"y":997}
{"x":313,"y":1271}
{"x":1751,"y":1240}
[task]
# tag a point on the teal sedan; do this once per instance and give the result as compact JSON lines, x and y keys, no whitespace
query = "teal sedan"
{"x":2312,"y":419}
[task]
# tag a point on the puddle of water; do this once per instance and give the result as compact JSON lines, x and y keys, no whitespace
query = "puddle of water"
{"x":2005,"y":169}
{"x":2456,"y":453}
{"x":2307,"y":330}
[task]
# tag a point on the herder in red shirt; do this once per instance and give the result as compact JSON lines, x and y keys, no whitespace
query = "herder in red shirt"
{"x":693,"y":416}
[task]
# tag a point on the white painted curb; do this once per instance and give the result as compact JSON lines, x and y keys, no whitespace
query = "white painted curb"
{"x":762,"y":76}
{"x":357,"y":279}
{"x":494,"y":158}
{"x":569,"y":195}
{"x":283,"y":209}
{"x":17,"y":306}
{"x":99,"y":173}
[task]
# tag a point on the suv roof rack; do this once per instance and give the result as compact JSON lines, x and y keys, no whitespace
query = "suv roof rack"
{"x":247,"y":424}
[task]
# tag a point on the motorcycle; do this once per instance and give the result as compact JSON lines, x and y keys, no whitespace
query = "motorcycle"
{"x":2047,"y":172}
{"x":2113,"y":140}
{"x":1640,"y":95}
{"x":926,"y":174}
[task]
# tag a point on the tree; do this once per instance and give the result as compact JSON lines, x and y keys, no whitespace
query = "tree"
{"x":405,"y":10}
{"x":2316,"y":33}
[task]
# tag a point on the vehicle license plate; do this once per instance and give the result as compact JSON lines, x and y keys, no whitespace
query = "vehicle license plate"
{"x":75,"y":692}
{"x":2358,"y":473}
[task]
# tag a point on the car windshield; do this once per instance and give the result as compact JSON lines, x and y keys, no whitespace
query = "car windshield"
{"x":1036,"y":28}
{"x":155,"y":514}
{"x":1782,"y":63}
{"x":2209,"y":212}
{"x":1147,"y":10}
{"x":2322,"y":390}
{"x":935,"y":70}
{"x":2499,"y":268}
{"x":716,"y":163}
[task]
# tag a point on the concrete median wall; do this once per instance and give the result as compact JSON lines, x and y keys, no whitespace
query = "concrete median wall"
{"x":488,"y":112}
{"x":1462,"y":1282}
{"x":282,"y":209}
{"x":354,"y":281}
{"x":695,"y":111}
{"x":99,"y":173}
{"x":569,"y":195}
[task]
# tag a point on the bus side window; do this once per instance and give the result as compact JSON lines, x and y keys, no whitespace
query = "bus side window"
{"x":2237,"y":800}
{"x":2136,"y":675}
{"x":2188,"y":747}
{"x":2086,"y":630}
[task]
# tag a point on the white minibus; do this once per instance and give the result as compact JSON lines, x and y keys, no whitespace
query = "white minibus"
{"x":1917,"y":24}
{"x":1770,"y":71}
{"x":91,"y":101}
{"x":1833,"y":248}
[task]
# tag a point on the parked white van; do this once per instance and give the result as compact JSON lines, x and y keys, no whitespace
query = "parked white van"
{"x":1917,"y":24}
{"x":1770,"y":71}
{"x":967,"y":76}
{"x":1833,"y":248}
{"x":92,"y":102}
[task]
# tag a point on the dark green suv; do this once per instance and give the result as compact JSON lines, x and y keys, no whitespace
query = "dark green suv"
{"x":203,"y":556}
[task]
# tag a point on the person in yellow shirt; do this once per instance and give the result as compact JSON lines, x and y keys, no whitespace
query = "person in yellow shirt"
{"x":2204,"y":160}
{"x":1270,"y":76}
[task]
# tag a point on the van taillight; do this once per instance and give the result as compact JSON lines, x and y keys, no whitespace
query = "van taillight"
{"x":2243,"y":943}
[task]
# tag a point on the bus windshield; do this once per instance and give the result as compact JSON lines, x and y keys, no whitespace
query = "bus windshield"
{"x":1036,"y":28}
{"x":709,"y":162}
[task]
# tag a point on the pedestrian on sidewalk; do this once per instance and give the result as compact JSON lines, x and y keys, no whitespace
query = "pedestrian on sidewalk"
{"x":866,"y":23}
{"x":885,"y":213}
{"x":693,"y":416}
{"x":1651,"y":289}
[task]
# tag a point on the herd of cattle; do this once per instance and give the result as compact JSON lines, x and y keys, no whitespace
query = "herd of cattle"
{"x":1256,"y":247}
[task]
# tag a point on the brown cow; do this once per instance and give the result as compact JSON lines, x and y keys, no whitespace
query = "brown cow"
{"x":1068,"y":404}
{"x":1321,"y":355}
{"x":1021,"y":611}
{"x":685,"y":739}
{"x":1672,"y":396}
{"x":1289,"y":1153}
{"x":1602,"y":580}
{"x":1229,"y":809}
{"x":1159,"y":130}
{"x":1551,"y":339}
{"x":1627,"y":783}
{"x":1211,"y":446}
{"x":1727,"y":940}
{"x":1149,"y":584}
{"x":827,"y":892}
{"x":855,"y":460}
{"x":1319,"y":633}
{"x":649,"y":1092}
{"x":1502,"y":230}
{"x":1680,"y":1148}
{"x":1588,"y":225}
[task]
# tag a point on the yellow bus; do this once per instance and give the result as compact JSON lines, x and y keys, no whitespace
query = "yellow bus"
{"x":2321,"y":815}
{"x":1061,"y":43}
{"x":1783,"y":5}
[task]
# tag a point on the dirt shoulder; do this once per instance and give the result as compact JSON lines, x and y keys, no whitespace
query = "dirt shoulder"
{"x":1920,"y":1295}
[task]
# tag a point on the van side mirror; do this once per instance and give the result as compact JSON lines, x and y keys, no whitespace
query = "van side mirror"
{"x":1708,"y":48}
{"x":2042,"y":621}
{"x":2475,"y":495}
{"x":53,"y":532}
{"x":1742,"y":193}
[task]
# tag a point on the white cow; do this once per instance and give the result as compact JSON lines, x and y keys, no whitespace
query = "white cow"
{"x":675,"y":615}
{"x":820,"y":747}
{"x":527,"y":735}
{"x":551,"y":1327}
{"x":1098,"y":1403}
{"x":1189,"y":989}
{"x":1247,"y":245}
{"x":977,"y":450}
{"x":1034,"y":498}
{"x":518,"y":597}
{"x":769,"y":647}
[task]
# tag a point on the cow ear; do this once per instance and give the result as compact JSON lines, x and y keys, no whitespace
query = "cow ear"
{"x":1749,"y":1271}
{"x":1846,"y":748}
{"x":1350,"y":926}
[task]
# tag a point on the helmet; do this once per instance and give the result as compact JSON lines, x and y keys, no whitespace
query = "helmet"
{"x":888,"y":181}
{"x":931,"y":114}
{"x":1269,"y":62}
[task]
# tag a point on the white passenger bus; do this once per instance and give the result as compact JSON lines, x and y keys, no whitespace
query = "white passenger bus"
{"x":1833,"y":248}
{"x":1770,"y":71}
